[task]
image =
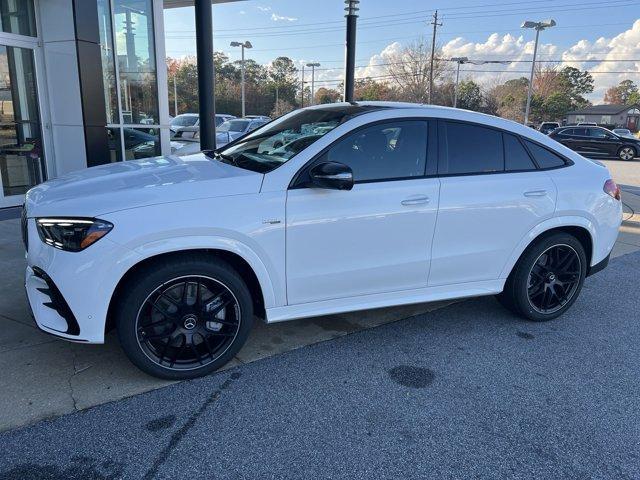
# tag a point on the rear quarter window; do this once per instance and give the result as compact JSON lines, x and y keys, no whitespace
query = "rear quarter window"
{"x":544,"y":158}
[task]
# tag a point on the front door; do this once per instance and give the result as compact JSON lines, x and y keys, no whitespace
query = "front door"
{"x":22,"y":162}
{"x":374,"y":238}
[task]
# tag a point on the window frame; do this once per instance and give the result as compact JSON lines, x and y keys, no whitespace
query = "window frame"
{"x":442,"y":161}
{"x":301,"y":180}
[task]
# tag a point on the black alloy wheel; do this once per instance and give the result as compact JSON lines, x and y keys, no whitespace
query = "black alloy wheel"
{"x":547,"y":278}
{"x":554,"y":279}
{"x":188,"y":322}
{"x":184,"y":316}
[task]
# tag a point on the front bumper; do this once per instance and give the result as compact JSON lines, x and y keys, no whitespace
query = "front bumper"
{"x":69,"y":293}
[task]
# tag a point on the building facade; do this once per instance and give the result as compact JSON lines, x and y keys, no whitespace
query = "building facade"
{"x":609,"y":116}
{"x":82,"y":83}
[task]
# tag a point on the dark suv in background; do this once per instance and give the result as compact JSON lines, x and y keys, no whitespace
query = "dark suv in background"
{"x":597,"y":142}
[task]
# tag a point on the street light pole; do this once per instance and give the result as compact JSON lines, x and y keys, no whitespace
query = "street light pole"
{"x":350,"y":49}
{"x":538,"y":26}
{"x":459,"y":61}
{"x":313,"y":79}
{"x":242,"y":45}
{"x":302,"y":90}
{"x":463,"y":60}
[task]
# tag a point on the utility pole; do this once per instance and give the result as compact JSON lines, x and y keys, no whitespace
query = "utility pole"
{"x":433,"y":53}
{"x":313,"y":79}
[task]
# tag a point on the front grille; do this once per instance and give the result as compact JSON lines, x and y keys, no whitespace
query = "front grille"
{"x":23,"y":228}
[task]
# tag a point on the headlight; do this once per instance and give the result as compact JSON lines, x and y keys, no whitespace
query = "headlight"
{"x":72,"y":234}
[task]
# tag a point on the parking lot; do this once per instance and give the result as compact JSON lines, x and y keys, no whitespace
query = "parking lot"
{"x":458,"y":389}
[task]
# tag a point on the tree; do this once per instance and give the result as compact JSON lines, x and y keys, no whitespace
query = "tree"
{"x":327,"y":95}
{"x":280,"y":108}
{"x":511,"y":98}
{"x":469,"y":95}
{"x":624,"y":94}
{"x":576,"y":83}
{"x":282,"y":76}
{"x":409,"y":71}
{"x":369,"y":89}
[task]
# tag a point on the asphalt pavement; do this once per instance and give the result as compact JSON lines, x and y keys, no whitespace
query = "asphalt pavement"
{"x":467,"y":391}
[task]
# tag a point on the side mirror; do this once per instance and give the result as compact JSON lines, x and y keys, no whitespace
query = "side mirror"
{"x":332,"y":175}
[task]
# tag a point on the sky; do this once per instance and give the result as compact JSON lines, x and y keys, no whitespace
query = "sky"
{"x":605,"y":32}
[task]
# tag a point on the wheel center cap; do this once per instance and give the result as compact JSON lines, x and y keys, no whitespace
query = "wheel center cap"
{"x":190,"y":322}
{"x":551,"y":278}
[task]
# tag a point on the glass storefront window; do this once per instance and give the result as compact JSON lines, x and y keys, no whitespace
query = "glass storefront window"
{"x":108,"y":62}
{"x":134,"y":38}
{"x":21,"y":150}
{"x":115,"y":145}
{"x":17,"y":16}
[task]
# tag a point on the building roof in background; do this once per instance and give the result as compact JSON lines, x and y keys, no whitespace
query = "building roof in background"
{"x":189,"y":3}
{"x":602,"y":109}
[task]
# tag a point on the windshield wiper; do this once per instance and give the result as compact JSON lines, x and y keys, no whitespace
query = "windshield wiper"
{"x":222,"y":157}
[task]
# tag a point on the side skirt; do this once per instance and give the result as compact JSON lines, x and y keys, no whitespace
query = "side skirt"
{"x":379,"y":300}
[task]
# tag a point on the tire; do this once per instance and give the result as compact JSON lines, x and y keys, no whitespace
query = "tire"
{"x":184,"y":318}
{"x":627,"y":153}
{"x":539,"y":287}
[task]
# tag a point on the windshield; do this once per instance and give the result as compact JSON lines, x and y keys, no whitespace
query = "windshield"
{"x":234,"y":126}
{"x":184,"y":121}
{"x":272,"y":145}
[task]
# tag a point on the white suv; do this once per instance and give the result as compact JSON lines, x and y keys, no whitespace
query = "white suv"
{"x":393,"y":204}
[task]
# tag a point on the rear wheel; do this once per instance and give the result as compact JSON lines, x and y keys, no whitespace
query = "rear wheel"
{"x":185,"y":318}
{"x":626,"y":153}
{"x":547,"y":279}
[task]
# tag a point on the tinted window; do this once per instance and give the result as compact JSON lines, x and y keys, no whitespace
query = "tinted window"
{"x":580,"y":132}
{"x":386,"y":151}
{"x":545,"y":158}
{"x":566,"y":131}
{"x":471,"y":149}
{"x":596,"y":133}
{"x":515,"y":155}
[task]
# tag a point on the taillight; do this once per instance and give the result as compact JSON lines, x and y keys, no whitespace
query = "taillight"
{"x":612,"y":189}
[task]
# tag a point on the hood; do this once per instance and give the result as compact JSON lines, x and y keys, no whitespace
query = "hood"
{"x":118,"y":186}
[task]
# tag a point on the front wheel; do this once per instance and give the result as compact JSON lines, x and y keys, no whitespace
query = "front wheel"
{"x":547,"y":279}
{"x":626,"y":153}
{"x":184,"y":318}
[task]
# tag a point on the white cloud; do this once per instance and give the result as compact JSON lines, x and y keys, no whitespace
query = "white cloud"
{"x":263,"y":9}
{"x":242,"y":12}
{"x":278,"y":18}
{"x":626,"y":45}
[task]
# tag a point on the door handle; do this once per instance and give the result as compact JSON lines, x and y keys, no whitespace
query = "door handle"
{"x":535,"y":193}
{"x":416,"y":200}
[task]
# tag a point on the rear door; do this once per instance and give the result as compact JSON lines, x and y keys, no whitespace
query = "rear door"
{"x":492,"y":194}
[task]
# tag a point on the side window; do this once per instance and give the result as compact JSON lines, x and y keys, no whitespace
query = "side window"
{"x":597,"y":133}
{"x":580,"y":132}
{"x":515,"y":156}
{"x":543,"y":157}
{"x":470,"y":149}
{"x":383,"y":152}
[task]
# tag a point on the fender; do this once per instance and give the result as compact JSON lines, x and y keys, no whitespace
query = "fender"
{"x":549,"y":224}
{"x":169,"y":245}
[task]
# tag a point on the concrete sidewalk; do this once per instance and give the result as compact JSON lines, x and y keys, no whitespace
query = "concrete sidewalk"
{"x":45,"y":377}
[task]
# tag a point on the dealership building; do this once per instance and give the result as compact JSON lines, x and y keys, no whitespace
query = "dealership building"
{"x":82,"y":83}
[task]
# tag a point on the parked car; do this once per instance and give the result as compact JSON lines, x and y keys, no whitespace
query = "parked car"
{"x":225,"y":133}
{"x":624,"y":132}
{"x":548,"y":127}
{"x":258,"y":117}
{"x":188,"y":126}
{"x":395,"y":204}
{"x":597,"y":142}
